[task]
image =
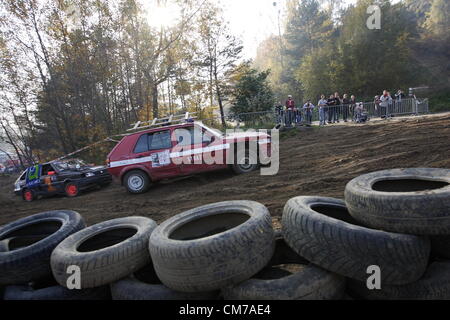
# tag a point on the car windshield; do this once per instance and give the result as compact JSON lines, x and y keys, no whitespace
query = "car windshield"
{"x":74,"y":164}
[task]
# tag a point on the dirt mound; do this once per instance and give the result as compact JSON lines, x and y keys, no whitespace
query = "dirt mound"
{"x":319,"y":162}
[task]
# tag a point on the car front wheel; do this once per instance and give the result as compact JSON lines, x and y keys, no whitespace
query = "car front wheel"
{"x":28,"y":195}
{"x":136,"y":182}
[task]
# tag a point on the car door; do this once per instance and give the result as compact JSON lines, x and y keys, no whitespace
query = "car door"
{"x":49,"y":183}
{"x":154,"y":149}
{"x":195,"y":149}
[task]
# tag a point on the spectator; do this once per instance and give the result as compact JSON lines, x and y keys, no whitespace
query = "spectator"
{"x":385,"y":102}
{"x":377,"y":102}
{"x":338,"y":104}
{"x":399,"y":96}
{"x":352,"y":106}
{"x":308,"y":107}
{"x":298,"y":116}
{"x":345,"y":107}
{"x":290,"y":107}
{"x":331,"y":109}
{"x":359,"y":113}
{"x":323,"y":110}
{"x":391,"y":106}
{"x":279,"y":112}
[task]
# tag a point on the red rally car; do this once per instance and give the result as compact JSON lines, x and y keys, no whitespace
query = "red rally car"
{"x":172,"y":151}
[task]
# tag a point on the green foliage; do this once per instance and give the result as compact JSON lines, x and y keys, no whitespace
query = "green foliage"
{"x":321,"y":57}
{"x":440,"y":102}
{"x":250,"y":91}
{"x":438,"y":19}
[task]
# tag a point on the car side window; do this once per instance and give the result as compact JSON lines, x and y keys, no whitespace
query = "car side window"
{"x":46,"y":169}
{"x":195,"y":135}
{"x":142,"y":144}
{"x":159,"y":140}
{"x":22,"y":177}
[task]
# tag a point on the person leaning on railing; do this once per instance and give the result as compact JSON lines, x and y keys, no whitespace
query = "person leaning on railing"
{"x":338,"y":104}
{"x":290,"y":106}
{"x":308,"y":107}
{"x":385,"y":102}
{"x":331,"y":102}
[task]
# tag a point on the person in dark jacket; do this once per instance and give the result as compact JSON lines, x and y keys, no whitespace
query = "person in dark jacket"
{"x":290,"y":108}
{"x":352,"y":107}
{"x":331,"y":109}
{"x":345,"y":107}
{"x":338,"y":104}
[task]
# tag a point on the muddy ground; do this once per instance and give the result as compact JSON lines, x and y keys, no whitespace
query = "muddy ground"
{"x":319,"y":161}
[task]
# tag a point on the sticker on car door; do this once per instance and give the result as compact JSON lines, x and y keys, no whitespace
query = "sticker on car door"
{"x":161,"y":159}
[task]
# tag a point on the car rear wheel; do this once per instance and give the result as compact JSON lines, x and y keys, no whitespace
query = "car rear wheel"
{"x":72,"y":190}
{"x":28,"y":195}
{"x":136,"y":182}
{"x":246,"y":161}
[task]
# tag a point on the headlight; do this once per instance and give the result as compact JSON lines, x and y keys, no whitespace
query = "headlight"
{"x":89,"y":174}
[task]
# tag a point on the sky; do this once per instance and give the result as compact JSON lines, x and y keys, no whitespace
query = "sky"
{"x":255,"y":20}
{"x":252,"y":20}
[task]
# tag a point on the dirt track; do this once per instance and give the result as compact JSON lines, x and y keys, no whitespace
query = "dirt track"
{"x":316,"y":162}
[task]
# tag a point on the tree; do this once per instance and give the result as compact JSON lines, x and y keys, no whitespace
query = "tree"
{"x":219,"y":52}
{"x":250,"y":91}
{"x":307,"y":28}
{"x":438,"y":19}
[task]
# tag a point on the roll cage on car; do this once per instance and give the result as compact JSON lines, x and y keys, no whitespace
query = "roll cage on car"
{"x":167,"y":150}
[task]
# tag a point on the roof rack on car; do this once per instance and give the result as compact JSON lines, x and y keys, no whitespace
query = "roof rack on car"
{"x":162,"y":122}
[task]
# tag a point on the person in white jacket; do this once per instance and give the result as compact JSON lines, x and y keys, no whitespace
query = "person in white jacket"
{"x":385,"y":101}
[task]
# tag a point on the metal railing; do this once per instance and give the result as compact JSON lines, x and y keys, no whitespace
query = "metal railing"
{"x":349,"y":112}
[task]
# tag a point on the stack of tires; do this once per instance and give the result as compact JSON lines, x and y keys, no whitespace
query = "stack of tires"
{"x":227,"y":250}
{"x":385,"y":224}
{"x":394,"y":222}
{"x":25,"y":249}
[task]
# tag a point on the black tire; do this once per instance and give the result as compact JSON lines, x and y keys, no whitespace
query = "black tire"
{"x":26,"y":261}
{"x":145,"y":285}
{"x":322,"y":231}
{"x":132,"y":186}
{"x":245,"y":161}
{"x":414,"y":201}
{"x":105,"y":252}
{"x":434,"y":285}
{"x":55,"y":292}
{"x":277,"y":282}
{"x":210,"y":247}
{"x":440,"y":246}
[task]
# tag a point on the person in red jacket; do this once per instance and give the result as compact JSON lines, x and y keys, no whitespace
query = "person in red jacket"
{"x":290,"y":107}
